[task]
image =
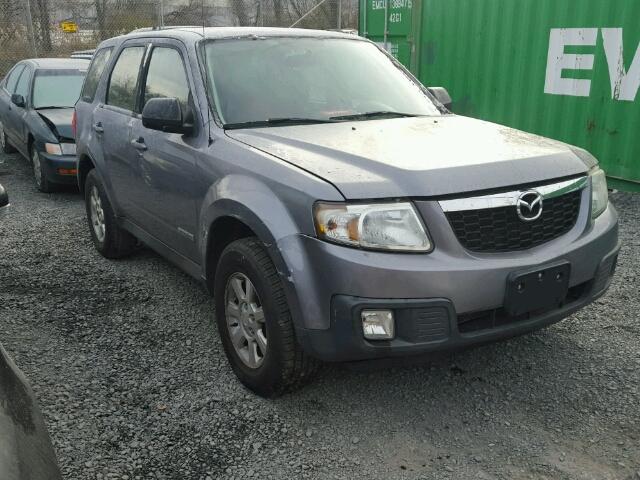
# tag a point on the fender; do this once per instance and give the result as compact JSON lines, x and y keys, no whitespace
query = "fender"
{"x":257,"y":206}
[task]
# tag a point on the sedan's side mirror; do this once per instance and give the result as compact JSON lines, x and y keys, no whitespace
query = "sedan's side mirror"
{"x":4,"y":201}
{"x":18,"y":100}
{"x":442,"y":96}
{"x":166,"y":115}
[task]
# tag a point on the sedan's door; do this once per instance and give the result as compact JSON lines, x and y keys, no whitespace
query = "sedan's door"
{"x":168,"y":160}
{"x":8,"y":88}
{"x":112,"y":124}
{"x":17,"y":120}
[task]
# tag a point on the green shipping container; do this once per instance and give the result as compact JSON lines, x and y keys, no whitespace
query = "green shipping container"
{"x":566,"y":69}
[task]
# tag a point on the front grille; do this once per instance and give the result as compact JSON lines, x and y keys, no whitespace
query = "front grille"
{"x":494,"y":230}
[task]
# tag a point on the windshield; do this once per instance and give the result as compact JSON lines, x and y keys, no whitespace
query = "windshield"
{"x":57,"y":88}
{"x":328,"y":79}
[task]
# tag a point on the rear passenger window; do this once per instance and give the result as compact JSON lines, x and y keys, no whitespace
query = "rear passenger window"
{"x":166,"y":77}
{"x":124,"y":79}
{"x":13,"y":77}
{"x":94,"y":74}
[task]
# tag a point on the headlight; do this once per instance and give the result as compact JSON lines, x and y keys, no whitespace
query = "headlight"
{"x":599,"y":192}
{"x":384,"y":226}
{"x":60,"y":148}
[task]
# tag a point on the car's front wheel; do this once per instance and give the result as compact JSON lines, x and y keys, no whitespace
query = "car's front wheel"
{"x":4,"y":144}
{"x":42,"y":182}
{"x":108,"y":237}
{"x":255,"y":323}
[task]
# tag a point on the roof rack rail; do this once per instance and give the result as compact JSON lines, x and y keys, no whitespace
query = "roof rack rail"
{"x":171,"y":27}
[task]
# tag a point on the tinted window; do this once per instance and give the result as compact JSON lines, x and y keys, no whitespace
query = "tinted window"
{"x":124,"y":78}
{"x":13,"y":77}
{"x":166,"y":77}
{"x":95,"y":73}
{"x":22,"y":88}
{"x":57,"y":88}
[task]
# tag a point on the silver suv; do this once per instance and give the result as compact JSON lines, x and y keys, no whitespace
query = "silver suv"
{"x":332,"y":204}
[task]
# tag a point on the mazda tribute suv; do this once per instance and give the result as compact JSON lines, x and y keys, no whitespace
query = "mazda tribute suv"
{"x":334,"y":206}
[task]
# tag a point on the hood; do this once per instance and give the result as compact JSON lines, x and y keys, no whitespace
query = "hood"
{"x":59,"y":120}
{"x":416,"y":157}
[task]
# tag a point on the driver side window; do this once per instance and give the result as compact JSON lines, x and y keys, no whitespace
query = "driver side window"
{"x":12,"y":79}
{"x":22,"y":88}
{"x":166,"y":77}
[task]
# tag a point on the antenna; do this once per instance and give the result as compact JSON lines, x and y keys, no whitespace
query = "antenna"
{"x":206,"y":76}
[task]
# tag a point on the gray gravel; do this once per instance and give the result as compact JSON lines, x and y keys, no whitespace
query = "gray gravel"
{"x":133,"y":381}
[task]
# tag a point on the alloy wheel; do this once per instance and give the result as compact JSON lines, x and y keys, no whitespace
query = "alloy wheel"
{"x":37,"y":168}
{"x":97,"y":214}
{"x":245,"y":320}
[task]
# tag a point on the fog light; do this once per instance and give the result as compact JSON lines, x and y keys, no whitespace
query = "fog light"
{"x":378,"y":324}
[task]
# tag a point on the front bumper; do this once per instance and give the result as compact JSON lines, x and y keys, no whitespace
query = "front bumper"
{"x":327,"y":285}
{"x":53,"y":164}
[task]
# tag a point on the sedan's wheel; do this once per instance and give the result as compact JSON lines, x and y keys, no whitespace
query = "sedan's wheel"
{"x":42,"y":183}
{"x":109,"y":239}
{"x":255,"y":323}
{"x":96,"y":214}
{"x":4,"y":144}
{"x":245,"y":320}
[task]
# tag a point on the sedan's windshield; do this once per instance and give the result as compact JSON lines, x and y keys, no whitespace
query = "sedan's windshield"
{"x":286,"y":80}
{"x":57,"y":88}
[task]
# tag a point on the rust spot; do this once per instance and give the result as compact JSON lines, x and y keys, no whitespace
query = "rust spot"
{"x":591,"y":125}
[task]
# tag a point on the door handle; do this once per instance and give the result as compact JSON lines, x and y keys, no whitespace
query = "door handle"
{"x":98,"y":127}
{"x":139,"y":144}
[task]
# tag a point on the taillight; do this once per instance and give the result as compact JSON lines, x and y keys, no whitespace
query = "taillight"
{"x":74,"y":123}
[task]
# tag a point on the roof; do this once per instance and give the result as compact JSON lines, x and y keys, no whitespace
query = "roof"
{"x":59,"y":63}
{"x":196,"y":33}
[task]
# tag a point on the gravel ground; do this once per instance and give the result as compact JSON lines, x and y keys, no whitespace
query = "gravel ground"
{"x":133,"y":382}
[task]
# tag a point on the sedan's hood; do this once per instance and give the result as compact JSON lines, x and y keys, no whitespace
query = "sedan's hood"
{"x":59,"y":120}
{"x":416,"y":157}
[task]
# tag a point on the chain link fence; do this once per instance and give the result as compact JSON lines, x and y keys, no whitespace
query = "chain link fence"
{"x":55,"y":28}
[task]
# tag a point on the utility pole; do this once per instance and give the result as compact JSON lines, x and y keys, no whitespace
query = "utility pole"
{"x":339,"y":14}
{"x":29,"y":20}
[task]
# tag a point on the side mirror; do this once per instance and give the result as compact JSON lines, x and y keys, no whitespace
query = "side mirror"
{"x":18,"y":100}
{"x":4,"y":201}
{"x":442,"y":96}
{"x":166,"y":115}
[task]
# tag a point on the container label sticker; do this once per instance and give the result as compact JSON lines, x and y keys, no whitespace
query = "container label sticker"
{"x":624,"y":83}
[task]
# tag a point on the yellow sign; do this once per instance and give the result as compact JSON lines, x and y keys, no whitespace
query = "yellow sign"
{"x":69,"y":27}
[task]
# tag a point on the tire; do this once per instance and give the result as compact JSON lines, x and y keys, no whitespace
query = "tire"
{"x":284,"y":366}
{"x":4,"y":143}
{"x":42,"y":182}
{"x":109,"y":239}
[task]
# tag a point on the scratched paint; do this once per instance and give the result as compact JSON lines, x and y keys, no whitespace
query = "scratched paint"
{"x":566,"y":69}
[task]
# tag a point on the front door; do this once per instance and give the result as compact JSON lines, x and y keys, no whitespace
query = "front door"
{"x":167,"y":161}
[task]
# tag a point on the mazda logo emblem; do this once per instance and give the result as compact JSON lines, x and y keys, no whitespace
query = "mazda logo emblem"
{"x":529,"y":206}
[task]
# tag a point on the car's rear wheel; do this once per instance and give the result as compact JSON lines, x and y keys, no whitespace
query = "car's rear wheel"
{"x":4,"y":143}
{"x":255,"y":323}
{"x":42,"y":182}
{"x":109,"y":239}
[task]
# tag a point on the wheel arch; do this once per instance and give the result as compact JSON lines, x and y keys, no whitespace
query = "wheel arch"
{"x":85,"y":165}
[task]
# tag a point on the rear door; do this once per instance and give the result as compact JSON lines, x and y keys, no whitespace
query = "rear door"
{"x":168,"y":160}
{"x":112,"y":125}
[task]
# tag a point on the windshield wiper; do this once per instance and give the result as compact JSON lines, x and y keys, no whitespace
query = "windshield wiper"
{"x":50,"y":107}
{"x":277,"y":122}
{"x":376,"y":114}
